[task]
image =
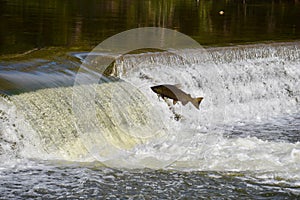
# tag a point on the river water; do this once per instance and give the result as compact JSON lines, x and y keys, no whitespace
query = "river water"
{"x":31,"y":24}
{"x":243,"y":143}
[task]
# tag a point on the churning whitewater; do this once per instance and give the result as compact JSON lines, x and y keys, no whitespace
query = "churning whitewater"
{"x":129,"y":127}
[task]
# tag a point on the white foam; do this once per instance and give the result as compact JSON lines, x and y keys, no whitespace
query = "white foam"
{"x":242,"y":87}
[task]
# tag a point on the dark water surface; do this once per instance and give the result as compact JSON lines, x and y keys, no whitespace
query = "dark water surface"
{"x":26,"y":25}
{"x":84,"y":182}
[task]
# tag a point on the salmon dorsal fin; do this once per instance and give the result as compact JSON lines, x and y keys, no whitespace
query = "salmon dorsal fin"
{"x":178,"y":85}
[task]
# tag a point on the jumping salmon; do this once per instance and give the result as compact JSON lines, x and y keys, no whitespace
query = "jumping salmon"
{"x":173,"y":92}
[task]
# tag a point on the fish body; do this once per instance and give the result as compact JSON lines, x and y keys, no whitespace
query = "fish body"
{"x":176,"y":94}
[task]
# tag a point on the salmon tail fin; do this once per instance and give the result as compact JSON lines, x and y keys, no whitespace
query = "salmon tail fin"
{"x":196,"y":101}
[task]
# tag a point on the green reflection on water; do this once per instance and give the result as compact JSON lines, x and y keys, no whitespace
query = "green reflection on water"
{"x":83,"y":24}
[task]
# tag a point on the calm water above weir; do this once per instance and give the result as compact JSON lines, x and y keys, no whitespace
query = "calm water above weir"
{"x":26,"y":25}
{"x":243,"y":143}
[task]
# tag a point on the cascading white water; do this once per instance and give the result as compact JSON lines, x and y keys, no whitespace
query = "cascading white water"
{"x":250,"y":82}
{"x":244,"y":85}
